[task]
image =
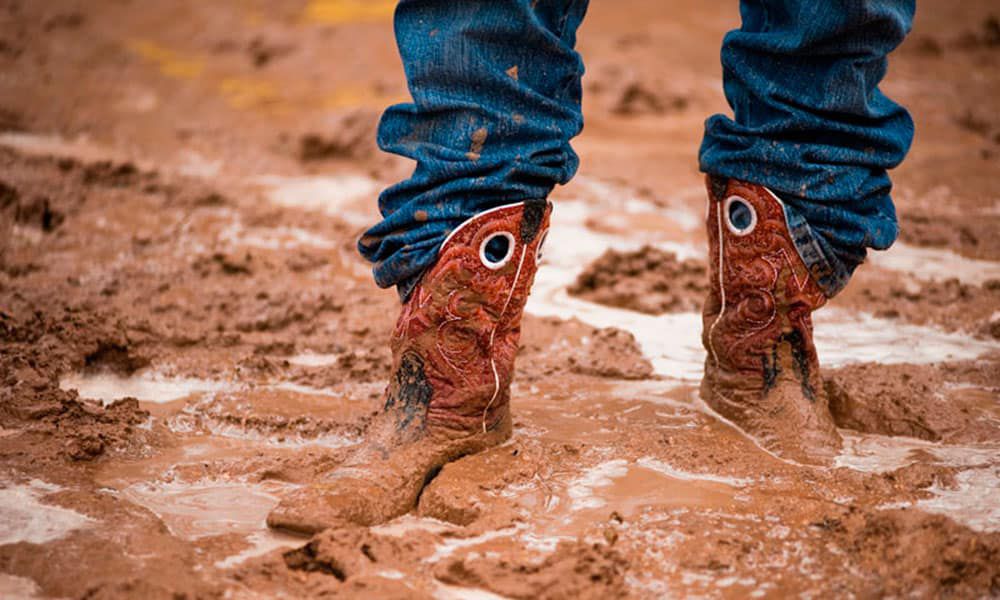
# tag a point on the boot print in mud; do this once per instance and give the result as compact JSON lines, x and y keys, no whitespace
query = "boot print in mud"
{"x":453,"y":348}
{"x":761,"y":371}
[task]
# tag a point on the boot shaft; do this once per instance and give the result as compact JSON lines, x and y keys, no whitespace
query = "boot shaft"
{"x":456,"y":339}
{"x":757,"y":318}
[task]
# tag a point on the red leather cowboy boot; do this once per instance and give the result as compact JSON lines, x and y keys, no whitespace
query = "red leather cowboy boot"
{"x":453,"y":360}
{"x":762,"y":372}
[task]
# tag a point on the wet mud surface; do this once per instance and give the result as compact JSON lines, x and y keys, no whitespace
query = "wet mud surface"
{"x":186,"y":333}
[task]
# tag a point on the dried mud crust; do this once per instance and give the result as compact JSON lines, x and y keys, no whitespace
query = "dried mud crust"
{"x":648,"y":280}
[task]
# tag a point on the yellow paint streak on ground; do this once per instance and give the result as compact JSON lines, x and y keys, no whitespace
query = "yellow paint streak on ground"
{"x":170,"y":63}
{"x":351,"y":96}
{"x":333,"y":12}
{"x":245,"y":92}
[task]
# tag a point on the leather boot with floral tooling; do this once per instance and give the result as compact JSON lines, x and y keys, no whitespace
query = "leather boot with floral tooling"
{"x":453,"y":349}
{"x":761,"y":371}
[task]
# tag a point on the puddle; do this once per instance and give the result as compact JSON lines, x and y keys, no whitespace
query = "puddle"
{"x":208,"y":508}
{"x":881,"y":453}
{"x":350,"y":198}
{"x":569,"y":506}
{"x":224,"y":406}
{"x":442,"y":591}
{"x":408,"y":523}
{"x":935,"y":264}
{"x":147,"y":387}
{"x":672,"y":342}
{"x":261,"y":542}
{"x":843,"y":337}
{"x":581,"y":490}
{"x":13,"y":587}
{"x":195,"y":510}
{"x":274,"y":238}
{"x":54,"y":145}
{"x":451,"y":545}
{"x":670,"y":471}
{"x":309,"y":359}
{"x":974,"y":501}
{"x":627,"y":488}
{"x":195,"y":164}
{"x":25,"y":518}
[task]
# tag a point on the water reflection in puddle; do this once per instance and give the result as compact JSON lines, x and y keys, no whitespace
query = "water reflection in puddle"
{"x":628,"y":487}
{"x":194,"y":510}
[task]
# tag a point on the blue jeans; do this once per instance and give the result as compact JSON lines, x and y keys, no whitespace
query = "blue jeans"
{"x":496,"y":99}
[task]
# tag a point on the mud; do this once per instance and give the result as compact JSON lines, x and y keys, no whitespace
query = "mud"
{"x":969,"y":235}
{"x":906,"y":400}
{"x":187,"y":334}
{"x":647,"y":280}
{"x":950,"y":304}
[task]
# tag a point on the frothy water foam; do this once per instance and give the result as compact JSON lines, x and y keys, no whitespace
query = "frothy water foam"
{"x":25,"y":518}
{"x":974,"y":500}
{"x":147,"y":386}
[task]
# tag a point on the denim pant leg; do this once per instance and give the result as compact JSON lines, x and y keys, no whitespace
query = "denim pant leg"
{"x":496,"y":99}
{"x":811,"y":124}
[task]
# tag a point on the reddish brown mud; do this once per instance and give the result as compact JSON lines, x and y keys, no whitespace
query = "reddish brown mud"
{"x":647,"y":280}
{"x":187,"y":335}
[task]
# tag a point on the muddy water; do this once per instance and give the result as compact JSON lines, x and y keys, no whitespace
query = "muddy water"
{"x":239,"y":284}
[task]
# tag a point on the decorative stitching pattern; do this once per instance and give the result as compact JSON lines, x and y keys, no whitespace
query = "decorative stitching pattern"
{"x":761,"y":294}
{"x":463,"y":320}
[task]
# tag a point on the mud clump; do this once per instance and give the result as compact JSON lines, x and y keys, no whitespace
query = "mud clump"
{"x":262,"y":52}
{"x":986,"y":38}
{"x":648,"y":280}
{"x":913,"y":554}
{"x":894,"y":400}
{"x":950,"y":304}
{"x":574,"y":570}
{"x":612,"y":353}
{"x":970,"y":235}
{"x":337,"y":562}
{"x":551,"y":346}
{"x":466,"y":490}
{"x":635,"y":98}
{"x":625,"y":93}
{"x":349,"y":136}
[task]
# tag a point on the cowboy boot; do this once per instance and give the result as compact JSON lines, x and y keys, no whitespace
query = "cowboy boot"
{"x":453,"y":350}
{"x":761,"y":371}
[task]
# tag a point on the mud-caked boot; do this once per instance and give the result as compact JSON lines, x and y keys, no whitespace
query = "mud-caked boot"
{"x":453,"y":360}
{"x":761,"y":369}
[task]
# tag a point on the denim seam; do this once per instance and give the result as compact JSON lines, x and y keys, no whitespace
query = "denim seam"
{"x":831,"y":276}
